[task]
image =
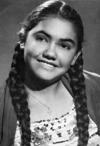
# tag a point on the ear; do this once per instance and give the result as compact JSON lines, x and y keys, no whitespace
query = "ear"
{"x":21,"y":45}
{"x":75,"y":58}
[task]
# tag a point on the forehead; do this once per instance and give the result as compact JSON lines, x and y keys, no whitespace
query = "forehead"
{"x":56,"y":27}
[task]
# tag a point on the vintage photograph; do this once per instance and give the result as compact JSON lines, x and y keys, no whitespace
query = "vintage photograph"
{"x":50,"y":73}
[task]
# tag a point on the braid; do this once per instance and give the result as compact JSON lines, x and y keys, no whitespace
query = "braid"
{"x":78,"y":87}
{"x":15,"y":83}
{"x":16,"y":77}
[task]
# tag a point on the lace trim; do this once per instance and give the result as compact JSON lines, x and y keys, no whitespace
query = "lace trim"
{"x":58,"y":130}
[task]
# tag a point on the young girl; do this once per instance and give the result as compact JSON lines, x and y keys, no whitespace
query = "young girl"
{"x":48,"y":100}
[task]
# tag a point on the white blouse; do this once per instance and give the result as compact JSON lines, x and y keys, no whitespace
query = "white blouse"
{"x":60,"y":131}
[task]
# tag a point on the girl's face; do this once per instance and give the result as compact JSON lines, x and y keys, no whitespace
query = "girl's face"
{"x":50,"y":48}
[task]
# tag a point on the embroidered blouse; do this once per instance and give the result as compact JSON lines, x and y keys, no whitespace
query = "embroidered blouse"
{"x":60,"y":131}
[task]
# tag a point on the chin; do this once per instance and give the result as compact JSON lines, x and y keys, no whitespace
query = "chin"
{"x":48,"y":77}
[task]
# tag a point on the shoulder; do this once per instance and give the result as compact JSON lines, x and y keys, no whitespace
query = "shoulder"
{"x":2,"y":88}
{"x":2,"y":93}
{"x":93,"y":95}
{"x":7,"y":115}
{"x":92,"y":77}
{"x":2,"y":101}
{"x":92,"y":81}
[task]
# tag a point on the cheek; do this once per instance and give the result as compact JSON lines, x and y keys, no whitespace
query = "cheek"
{"x":34,"y":47}
{"x":31,"y":49}
{"x":66,"y":59}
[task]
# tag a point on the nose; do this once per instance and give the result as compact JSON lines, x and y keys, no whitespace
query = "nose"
{"x":50,"y":52}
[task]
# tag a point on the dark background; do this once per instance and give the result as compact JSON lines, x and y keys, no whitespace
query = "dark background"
{"x":12,"y":12}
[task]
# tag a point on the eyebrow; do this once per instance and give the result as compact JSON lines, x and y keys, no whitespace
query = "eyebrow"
{"x":62,"y":39}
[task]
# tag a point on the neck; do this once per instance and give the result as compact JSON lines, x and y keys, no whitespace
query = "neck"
{"x":46,"y":93}
{"x":53,"y":101}
{"x":42,"y":90}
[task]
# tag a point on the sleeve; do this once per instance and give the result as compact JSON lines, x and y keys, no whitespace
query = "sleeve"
{"x":7,"y":118}
{"x":2,"y":92}
{"x":93,"y":93}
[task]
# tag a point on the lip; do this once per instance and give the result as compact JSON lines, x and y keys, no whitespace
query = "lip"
{"x":47,"y":62}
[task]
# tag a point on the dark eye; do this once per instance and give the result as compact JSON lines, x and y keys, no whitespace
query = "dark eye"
{"x":41,"y":38}
{"x":66,"y":46}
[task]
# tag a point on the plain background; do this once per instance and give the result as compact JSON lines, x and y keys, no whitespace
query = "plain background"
{"x":12,"y":13}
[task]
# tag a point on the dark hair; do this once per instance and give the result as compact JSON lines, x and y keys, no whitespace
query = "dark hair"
{"x":56,"y":8}
{"x":15,"y":80}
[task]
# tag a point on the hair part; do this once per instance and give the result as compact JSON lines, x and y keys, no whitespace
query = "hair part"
{"x":57,"y":8}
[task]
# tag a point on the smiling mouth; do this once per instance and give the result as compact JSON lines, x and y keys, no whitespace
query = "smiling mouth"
{"x":47,"y":63}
